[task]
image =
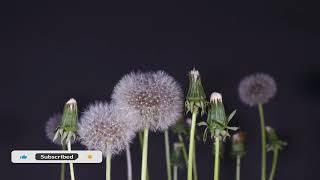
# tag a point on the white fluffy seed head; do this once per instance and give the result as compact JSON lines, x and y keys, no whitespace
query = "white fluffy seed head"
{"x":257,"y":89}
{"x":101,"y":129}
{"x":151,"y":100}
{"x":51,"y":127}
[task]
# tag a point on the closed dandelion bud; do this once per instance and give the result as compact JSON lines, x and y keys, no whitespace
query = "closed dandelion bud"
{"x":181,"y":127}
{"x":69,"y":123}
{"x":238,"y":144}
{"x":217,"y":121}
{"x":176,"y":157}
{"x":196,"y":97}
{"x":216,"y":112}
{"x":275,"y":143}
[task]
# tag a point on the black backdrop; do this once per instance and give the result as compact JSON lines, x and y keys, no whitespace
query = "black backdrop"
{"x":51,"y":52}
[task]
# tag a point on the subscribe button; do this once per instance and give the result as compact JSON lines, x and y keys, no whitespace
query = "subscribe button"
{"x":21,"y":156}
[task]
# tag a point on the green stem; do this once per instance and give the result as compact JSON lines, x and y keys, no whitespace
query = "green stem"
{"x":63,"y":167}
{"x":108,"y":167}
{"x":144,"y":154}
{"x":175,"y":172}
{"x":141,"y":145}
{"x":184,"y":149}
{"x":167,"y":147}
{"x":194,"y":168}
{"x":71,"y":164}
{"x":263,"y":144}
{"x":216,"y":158}
{"x":274,"y":164}
{"x":238,"y":168}
{"x":191,"y":144}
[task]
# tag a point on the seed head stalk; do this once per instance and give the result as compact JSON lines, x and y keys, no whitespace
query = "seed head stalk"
{"x":238,"y":167}
{"x":108,"y":167}
{"x":167,"y":148}
{"x":263,"y":143}
{"x":144,"y":154}
{"x":129,"y":162}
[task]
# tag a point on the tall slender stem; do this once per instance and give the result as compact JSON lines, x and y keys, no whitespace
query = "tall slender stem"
{"x":184,"y":149}
{"x":217,"y":158}
{"x":129,"y":162}
{"x":141,"y":145}
{"x":274,"y":164}
{"x":63,"y":167}
{"x":194,"y":168}
{"x":167,"y":147}
{"x":191,"y":144}
{"x":144,"y":154}
{"x":238,"y":168}
{"x":175,"y":172}
{"x":108,"y":167}
{"x":71,"y":164}
{"x":263,"y":144}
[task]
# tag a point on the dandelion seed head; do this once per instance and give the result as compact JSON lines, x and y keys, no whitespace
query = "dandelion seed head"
{"x":257,"y":89}
{"x":150,"y":100}
{"x":100,"y":129}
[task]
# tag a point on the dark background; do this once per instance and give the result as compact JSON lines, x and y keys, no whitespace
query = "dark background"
{"x":51,"y":52}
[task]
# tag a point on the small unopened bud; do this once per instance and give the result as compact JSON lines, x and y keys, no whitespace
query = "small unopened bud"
{"x":238,"y":143}
{"x":275,"y":143}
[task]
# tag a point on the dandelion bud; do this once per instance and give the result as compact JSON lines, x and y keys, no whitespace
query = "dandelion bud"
{"x":275,"y":143}
{"x":176,"y":157}
{"x":238,"y":144}
{"x":196,"y":97}
{"x":69,"y":123}
{"x":216,"y":109}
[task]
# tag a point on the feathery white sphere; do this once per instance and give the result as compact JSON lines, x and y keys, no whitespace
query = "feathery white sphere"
{"x":151,"y":100}
{"x":101,"y":129}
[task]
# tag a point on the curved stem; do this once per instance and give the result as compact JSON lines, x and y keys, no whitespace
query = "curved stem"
{"x":238,"y":168}
{"x":274,"y":164}
{"x":63,"y":167}
{"x":129,"y":162}
{"x":194,"y":168}
{"x":108,"y":167}
{"x":141,"y":145}
{"x":184,"y":149}
{"x":167,"y":147}
{"x":216,"y":158}
{"x":175,"y":172}
{"x":263,"y":144}
{"x":191,"y":144}
{"x":71,"y":164}
{"x":144,"y":154}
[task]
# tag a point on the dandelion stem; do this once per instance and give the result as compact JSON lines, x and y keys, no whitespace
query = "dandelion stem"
{"x":184,"y":149}
{"x":129,"y":162}
{"x":71,"y":164}
{"x":144,"y":154}
{"x":217,"y":158}
{"x":238,"y":168}
{"x":63,"y":167}
{"x":263,"y":144}
{"x":141,"y":145}
{"x":194,"y":168}
{"x":108,"y":167}
{"x":274,"y":164}
{"x":191,"y":144}
{"x":175,"y":172}
{"x":167,"y":147}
